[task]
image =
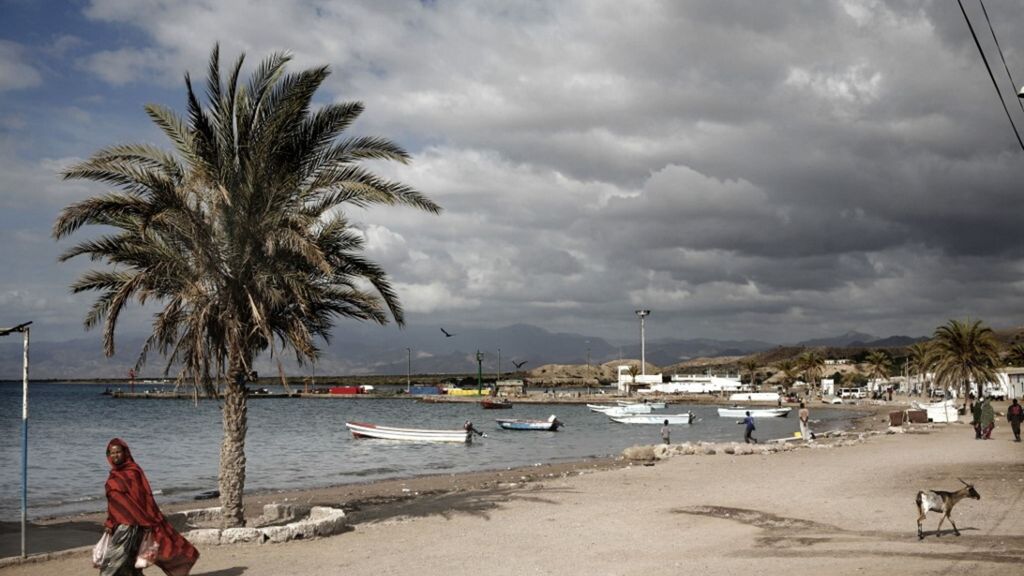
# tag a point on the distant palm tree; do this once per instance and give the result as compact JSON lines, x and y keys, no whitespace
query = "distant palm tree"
{"x":879,"y":365}
{"x":634,"y":369}
{"x":813,"y":364}
{"x":920,"y":361}
{"x":1015,"y":355}
{"x":789,"y":370}
{"x":750,"y":366}
{"x":239,"y":233}
{"x":965,"y":353}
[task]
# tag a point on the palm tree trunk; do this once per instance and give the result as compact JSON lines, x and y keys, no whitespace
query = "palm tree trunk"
{"x":232,"y":451}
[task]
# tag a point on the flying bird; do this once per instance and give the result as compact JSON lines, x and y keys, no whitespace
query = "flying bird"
{"x":446,"y":333}
{"x":519,"y":364}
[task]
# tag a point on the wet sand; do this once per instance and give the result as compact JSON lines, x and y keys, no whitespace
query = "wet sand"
{"x":825,"y":510}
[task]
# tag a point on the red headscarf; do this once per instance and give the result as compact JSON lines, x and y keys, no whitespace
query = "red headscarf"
{"x":130,"y":501}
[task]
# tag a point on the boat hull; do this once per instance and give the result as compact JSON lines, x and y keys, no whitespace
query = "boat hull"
{"x":367,"y":430}
{"x":550,"y":425}
{"x":755,"y":412}
{"x":495,"y":404}
{"x":658,"y":419}
{"x":651,"y":405}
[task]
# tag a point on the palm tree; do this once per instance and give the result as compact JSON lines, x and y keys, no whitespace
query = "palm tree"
{"x":789,"y":369}
{"x":965,"y":353}
{"x":750,"y":365}
{"x":920,"y":360}
{"x":879,"y":364}
{"x":634,"y":369}
{"x":239,"y":234}
{"x":1015,"y":355}
{"x":812,"y":363}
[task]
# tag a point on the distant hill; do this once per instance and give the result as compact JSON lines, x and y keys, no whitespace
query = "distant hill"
{"x":358,"y":349}
{"x":851,"y":338}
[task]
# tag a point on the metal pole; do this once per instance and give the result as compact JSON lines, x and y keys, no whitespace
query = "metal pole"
{"x":24,"y":442}
{"x":479,"y":372}
{"x":643,"y":352}
{"x":643,"y":357}
{"x":408,"y":371}
{"x":499,"y":363}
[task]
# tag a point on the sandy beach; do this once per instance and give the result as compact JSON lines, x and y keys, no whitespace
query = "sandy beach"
{"x":819,"y":510}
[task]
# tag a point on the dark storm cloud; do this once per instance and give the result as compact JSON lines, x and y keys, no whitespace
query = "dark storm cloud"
{"x":745,"y":169}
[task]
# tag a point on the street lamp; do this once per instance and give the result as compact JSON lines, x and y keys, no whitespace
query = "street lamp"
{"x":479,"y":371}
{"x":643,"y":361}
{"x":23,"y":328}
{"x":408,"y":371}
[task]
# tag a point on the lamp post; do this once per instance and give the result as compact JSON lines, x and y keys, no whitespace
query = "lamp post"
{"x":408,"y":370}
{"x":643,"y":360}
{"x":23,"y":328}
{"x":588,"y":358}
{"x":479,"y":371}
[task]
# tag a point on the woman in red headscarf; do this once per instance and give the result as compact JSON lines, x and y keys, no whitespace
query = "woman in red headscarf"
{"x":131,"y":513}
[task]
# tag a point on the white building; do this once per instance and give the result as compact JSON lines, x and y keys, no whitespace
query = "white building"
{"x":628,"y":382}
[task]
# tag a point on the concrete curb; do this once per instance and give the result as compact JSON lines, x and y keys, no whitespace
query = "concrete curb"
{"x":319,"y":521}
{"x":44,"y":557}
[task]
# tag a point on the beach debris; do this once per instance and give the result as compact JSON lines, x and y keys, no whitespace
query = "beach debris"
{"x":639,"y":453}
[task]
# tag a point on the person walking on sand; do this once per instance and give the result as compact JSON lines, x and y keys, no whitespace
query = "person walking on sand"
{"x":749,"y":428}
{"x":1014,"y":415}
{"x":665,"y":433}
{"x":134,"y":519}
{"x":988,"y":419}
{"x":805,"y":419}
{"x":976,"y":418}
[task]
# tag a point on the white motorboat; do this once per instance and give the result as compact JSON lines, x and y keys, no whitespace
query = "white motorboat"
{"x":631,"y":409}
{"x":653,"y":405}
{"x":685,"y":418}
{"x":754,"y":397}
{"x":741,"y":412}
{"x":366,"y":430}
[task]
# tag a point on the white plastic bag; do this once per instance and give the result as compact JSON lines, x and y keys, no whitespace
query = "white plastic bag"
{"x":147,"y":551}
{"x":99,"y":551}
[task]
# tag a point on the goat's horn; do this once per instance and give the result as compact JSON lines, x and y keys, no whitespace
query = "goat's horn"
{"x":962,"y":481}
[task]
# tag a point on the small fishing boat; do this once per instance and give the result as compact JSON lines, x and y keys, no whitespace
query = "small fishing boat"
{"x":495,"y":403}
{"x":366,"y":430}
{"x":630,"y":409}
{"x":653,"y":405}
{"x":551,"y":424}
{"x":685,"y":418}
{"x":741,"y":412}
{"x":754,"y":397}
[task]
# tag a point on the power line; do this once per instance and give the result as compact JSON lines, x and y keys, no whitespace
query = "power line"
{"x":1000,"y":49}
{"x":990,"y":75}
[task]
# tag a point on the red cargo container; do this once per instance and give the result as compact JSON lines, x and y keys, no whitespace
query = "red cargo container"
{"x":345,"y":390}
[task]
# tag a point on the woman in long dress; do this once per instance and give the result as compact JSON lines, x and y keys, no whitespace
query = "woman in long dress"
{"x":131,"y":514}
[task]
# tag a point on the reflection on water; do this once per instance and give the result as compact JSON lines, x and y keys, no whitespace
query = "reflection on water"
{"x":296,"y":442}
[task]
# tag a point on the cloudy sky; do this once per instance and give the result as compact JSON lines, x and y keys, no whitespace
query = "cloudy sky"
{"x":771,"y":170}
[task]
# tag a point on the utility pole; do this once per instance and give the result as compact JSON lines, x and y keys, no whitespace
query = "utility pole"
{"x":23,"y":328}
{"x":408,"y":370}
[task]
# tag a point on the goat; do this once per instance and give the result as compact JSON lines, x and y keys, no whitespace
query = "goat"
{"x":942,"y":501}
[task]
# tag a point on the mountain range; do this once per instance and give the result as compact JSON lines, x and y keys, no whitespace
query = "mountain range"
{"x":364,"y":350}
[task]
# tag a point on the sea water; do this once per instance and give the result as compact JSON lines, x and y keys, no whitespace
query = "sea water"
{"x":295,"y":443}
